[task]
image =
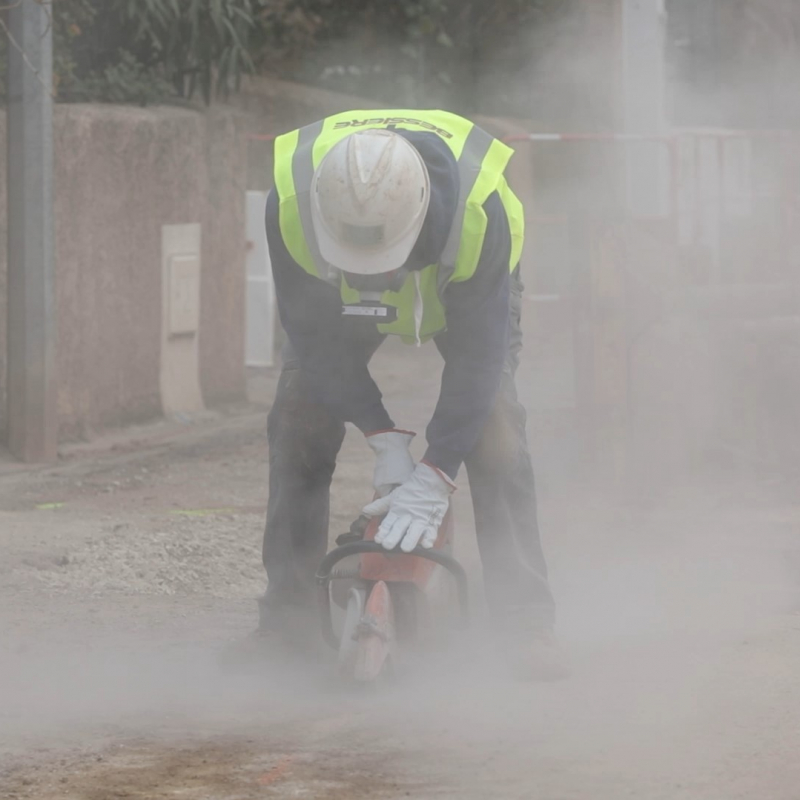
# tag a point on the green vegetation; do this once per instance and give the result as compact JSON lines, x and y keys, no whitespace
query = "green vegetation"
{"x":403,"y":52}
{"x":145,"y":51}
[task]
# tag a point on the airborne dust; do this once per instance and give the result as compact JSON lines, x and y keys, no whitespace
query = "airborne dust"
{"x":672,"y":544}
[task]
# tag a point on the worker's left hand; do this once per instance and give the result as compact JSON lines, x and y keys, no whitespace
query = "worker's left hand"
{"x":394,"y":464}
{"x":414,"y":511}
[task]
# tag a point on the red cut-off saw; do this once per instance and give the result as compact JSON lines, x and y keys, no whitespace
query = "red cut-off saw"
{"x":387,"y":602}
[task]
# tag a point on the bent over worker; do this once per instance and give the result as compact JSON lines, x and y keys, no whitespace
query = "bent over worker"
{"x":401,"y":223}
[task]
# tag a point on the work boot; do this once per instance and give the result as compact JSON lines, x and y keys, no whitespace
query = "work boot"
{"x":530,"y":648}
{"x":301,"y":630}
{"x":284,"y":636}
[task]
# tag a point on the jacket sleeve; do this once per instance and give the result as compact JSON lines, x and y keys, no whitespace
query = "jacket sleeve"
{"x":332,"y":354}
{"x":474,"y":348}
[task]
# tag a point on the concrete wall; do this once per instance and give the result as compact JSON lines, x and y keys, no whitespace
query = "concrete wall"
{"x":273,"y":107}
{"x":122,"y":173}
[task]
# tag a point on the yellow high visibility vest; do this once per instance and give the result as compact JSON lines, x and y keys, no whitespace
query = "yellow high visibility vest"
{"x":482,"y":161}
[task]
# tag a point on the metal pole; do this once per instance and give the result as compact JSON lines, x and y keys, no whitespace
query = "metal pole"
{"x":32,"y":426}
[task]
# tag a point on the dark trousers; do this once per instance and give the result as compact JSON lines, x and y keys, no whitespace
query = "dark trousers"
{"x":304,"y":440}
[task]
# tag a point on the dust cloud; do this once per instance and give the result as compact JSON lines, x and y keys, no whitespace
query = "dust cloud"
{"x":663,"y":422}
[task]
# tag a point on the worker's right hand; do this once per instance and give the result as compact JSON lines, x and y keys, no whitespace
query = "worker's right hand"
{"x":414,"y":511}
{"x":394,"y":464}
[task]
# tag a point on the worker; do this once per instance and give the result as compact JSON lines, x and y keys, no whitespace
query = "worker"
{"x":401,"y":223}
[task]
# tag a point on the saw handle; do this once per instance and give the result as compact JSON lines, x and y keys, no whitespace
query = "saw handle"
{"x":324,"y":577}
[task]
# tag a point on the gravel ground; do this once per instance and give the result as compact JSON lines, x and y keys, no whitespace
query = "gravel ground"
{"x":192,"y":554}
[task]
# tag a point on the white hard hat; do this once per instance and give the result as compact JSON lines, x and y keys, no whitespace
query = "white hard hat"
{"x":369,"y":197}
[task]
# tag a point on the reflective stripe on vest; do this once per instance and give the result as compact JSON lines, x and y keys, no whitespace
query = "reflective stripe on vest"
{"x":481,"y":162}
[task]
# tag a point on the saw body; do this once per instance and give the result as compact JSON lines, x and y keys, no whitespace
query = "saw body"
{"x":388,"y":603}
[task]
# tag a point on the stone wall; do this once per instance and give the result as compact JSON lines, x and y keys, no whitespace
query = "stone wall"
{"x":122,"y":173}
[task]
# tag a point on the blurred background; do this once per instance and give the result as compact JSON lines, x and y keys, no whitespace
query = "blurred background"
{"x":657,"y":151}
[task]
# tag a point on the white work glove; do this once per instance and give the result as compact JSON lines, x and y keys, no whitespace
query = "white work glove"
{"x":394,"y":465}
{"x":414,"y":511}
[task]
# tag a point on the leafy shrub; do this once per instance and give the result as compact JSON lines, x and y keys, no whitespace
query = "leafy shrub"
{"x":126,"y":81}
{"x":145,"y":51}
{"x":202,"y":44}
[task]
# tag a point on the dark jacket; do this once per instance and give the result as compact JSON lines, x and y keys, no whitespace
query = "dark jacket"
{"x":335,"y":351}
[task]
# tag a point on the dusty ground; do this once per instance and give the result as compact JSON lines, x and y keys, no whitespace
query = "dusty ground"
{"x":127,"y":568}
